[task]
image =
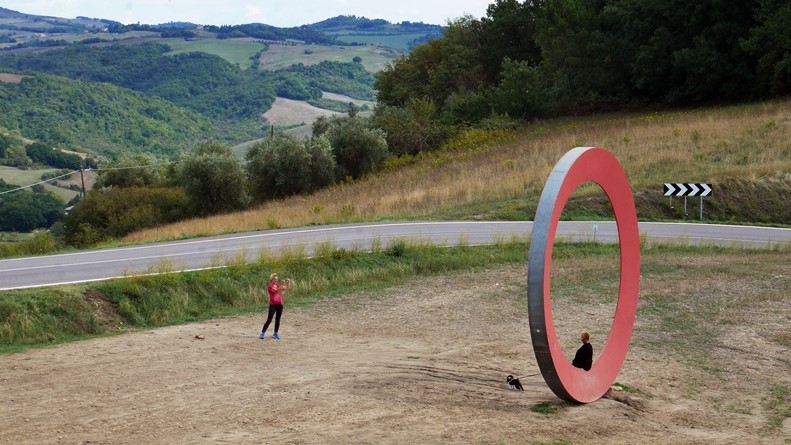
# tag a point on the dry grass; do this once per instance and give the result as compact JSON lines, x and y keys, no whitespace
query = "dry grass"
{"x":294,"y":112}
{"x":712,"y":145}
{"x":276,"y":57}
{"x":11,"y":78}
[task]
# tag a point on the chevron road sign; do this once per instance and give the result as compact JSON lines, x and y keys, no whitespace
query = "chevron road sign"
{"x":689,"y":189}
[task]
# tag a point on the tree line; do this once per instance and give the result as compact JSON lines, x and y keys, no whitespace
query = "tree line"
{"x":25,"y":211}
{"x":137,"y":192}
{"x":559,"y":57}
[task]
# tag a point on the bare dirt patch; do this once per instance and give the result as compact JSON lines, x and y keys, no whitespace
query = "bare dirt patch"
{"x":294,"y":112}
{"x":11,"y":78}
{"x":423,"y":363}
{"x":347,"y":99}
{"x":103,"y":309}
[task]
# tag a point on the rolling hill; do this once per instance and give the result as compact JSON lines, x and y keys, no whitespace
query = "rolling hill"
{"x":227,"y":78}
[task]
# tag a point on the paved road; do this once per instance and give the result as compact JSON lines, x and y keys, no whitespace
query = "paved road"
{"x":220,"y":250}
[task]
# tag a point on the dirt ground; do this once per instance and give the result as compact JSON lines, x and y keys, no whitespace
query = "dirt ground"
{"x":424,"y":363}
{"x":293,"y":112}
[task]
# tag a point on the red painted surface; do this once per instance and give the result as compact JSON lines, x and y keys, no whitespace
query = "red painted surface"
{"x":599,"y":166}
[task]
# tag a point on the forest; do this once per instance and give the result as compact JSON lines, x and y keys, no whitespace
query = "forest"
{"x":571,"y":57}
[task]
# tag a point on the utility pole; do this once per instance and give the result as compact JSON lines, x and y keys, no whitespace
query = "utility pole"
{"x":82,"y":178}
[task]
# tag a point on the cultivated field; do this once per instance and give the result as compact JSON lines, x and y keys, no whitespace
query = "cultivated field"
{"x":282,"y":56}
{"x":27,"y":177}
{"x":400,"y":41}
{"x":425,"y":362}
{"x":347,"y":99}
{"x":288,"y":112}
{"x":10,"y":78}
{"x":235,"y":51}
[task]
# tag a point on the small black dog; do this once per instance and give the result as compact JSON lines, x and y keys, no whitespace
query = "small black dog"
{"x":514,"y":383}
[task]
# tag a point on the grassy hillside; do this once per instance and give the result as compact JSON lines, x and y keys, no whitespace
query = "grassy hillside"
{"x":186,"y":69}
{"x":400,"y":41}
{"x":360,"y":30}
{"x":26,"y":177}
{"x":283,"y":56}
{"x":743,"y":151}
{"x":98,"y":118}
{"x":203,"y":76}
{"x":235,"y":51}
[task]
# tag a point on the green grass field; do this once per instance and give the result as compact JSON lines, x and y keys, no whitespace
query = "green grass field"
{"x":398,"y":41}
{"x":26,"y":177}
{"x":19,"y":177}
{"x":235,"y":51}
{"x":283,"y":56}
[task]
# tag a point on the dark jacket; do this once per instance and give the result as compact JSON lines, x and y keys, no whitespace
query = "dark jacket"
{"x":584,"y":357}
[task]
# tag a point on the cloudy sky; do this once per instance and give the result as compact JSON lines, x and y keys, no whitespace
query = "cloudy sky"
{"x":283,"y":13}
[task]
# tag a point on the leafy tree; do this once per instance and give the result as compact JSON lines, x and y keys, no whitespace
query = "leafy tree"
{"x":350,"y":79}
{"x":358,"y":149}
{"x":202,"y":83}
{"x":770,"y":44}
{"x":268,"y":32}
{"x":16,"y":156}
{"x":293,"y":87}
{"x":323,"y":168}
{"x":523,"y":92}
{"x":97,"y":117}
{"x":437,"y":69}
{"x":132,"y":170}
{"x":409,"y":76}
{"x":24,"y":211}
{"x":43,"y":154}
{"x":283,"y":165}
{"x":411,"y":129}
{"x":682,"y":52}
{"x":508,"y":32}
{"x":112,"y":213}
{"x":6,"y":142}
{"x":278,"y":167}
{"x":213,"y":179}
{"x":574,"y":54}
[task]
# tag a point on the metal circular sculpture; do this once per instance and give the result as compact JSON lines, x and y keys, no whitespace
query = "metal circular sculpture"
{"x":580,"y":165}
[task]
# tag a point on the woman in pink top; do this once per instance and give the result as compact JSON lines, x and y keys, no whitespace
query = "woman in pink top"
{"x":275,"y":290}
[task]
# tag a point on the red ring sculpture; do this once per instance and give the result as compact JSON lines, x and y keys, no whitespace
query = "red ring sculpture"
{"x":580,"y":165}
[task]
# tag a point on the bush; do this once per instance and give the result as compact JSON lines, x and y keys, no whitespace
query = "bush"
{"x":358,"y":149}
{"x":113,"y":213}
{"x":213,"y":180}
{"x":283,"y":166}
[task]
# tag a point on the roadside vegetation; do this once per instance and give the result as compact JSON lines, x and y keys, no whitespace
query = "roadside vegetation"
{"x":679,"y":297}
{"x":498,"y":174}
{"x":42,"y":316}
{"x":484,"y":174}
{"x":466,"y":125}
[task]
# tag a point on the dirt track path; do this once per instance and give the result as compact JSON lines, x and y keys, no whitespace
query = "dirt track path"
{"x":419,"y":364}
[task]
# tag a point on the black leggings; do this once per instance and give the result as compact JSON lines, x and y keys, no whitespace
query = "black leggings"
{"x":277,"y":310}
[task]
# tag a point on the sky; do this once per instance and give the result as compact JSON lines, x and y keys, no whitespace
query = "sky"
{"x":281,"y":13}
